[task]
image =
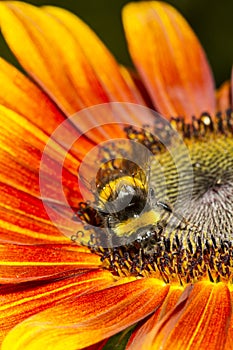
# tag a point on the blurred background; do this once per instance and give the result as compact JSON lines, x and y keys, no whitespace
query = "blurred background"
{"x":211,"y":20}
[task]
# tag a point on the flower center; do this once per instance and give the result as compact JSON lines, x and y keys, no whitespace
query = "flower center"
{"x":152,"y":234}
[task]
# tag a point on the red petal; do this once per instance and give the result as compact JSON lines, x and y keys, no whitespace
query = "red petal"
{"x":19,"y":263}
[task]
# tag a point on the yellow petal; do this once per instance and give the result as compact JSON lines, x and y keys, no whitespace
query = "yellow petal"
{"x":169,"y":58}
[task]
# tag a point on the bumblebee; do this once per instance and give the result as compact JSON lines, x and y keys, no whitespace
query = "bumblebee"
{"x":126,"y":207}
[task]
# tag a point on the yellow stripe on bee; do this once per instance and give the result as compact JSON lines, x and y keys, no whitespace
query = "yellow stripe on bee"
{"x":130,"y":226}
{"x":114,"y":186}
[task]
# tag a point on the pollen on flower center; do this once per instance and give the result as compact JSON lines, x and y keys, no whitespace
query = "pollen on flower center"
{"x":178,"y":246}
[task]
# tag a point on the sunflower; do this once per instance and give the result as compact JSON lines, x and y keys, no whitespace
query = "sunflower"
{"x":170,"y":289}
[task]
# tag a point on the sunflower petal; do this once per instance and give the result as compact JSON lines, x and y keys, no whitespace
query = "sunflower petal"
{"x":223,"y":96}
{"x":21,"y":209}
{"x":21,"y":95}
{"x":20,"y":263}
{"x":60,"y":61}
{"x":201,"y":322}
{"x":20,"y":134}
{"x":23,"y":219}
{"x":169,"y":58}
{"x":137,"y":339}
{"x":111,"y":77}
{"x":38,"y":114}
{"x":18,"y":302}
{"x":229,"y":340}
{"x":135,"y":83}
{"x":89,"y":318}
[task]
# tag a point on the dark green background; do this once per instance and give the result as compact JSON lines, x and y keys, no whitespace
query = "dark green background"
{"x":211,"y":20}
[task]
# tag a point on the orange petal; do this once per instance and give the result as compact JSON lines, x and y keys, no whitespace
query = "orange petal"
{"x":89,"y":318}
{"x":169,"y":58}
{"x":199,"y":323}
{"x":223,"y":96}
{"x":19,"y":94}
{"x":137,"y":339}
{"x":37,"y":112}
{"x":24,"y":143}
{"x":19,"y":263}
{"x":18,"y":302}
{"x":21,"y":209}
{"x":23,"y":219}
{"x":135,"y":83}
{"x":22,"y":96}
{"x":55,"y":53}
{"x":229,"y":340}
{"x":105,"y":67}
